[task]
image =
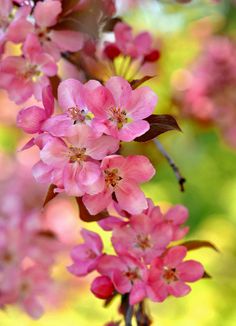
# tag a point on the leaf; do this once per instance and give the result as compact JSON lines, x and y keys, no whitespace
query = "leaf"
{"x":50,"y":194}
{"x":197,"y":244}
{"x":159,"y":123}
{"x":137,"y":82}
{"x":85,"y":215}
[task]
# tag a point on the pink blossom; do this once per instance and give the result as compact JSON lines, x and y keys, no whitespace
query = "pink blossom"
{"x":143,"y":237}
{"x":32,"y":118}
{"x":102,"y":287}
{"x":121,"y":111}
{"x":12,"y":21}
{"x":122,"y":177}
{"x":72,"y":99}
{"x":52,"y":40}
{"x":127,"y":273}
{"x":77,"y":159}
{"x":87,"y":255}
{"x":25,"y":76}
{"x":168,"y":275}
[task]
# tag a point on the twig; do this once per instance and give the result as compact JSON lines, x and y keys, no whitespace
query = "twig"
{"x":180,"y":178}
{"x":128,"y":316}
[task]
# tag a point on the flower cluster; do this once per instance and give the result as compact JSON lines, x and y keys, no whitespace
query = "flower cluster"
{"x":28,"y":248}
{"x":44,"y":38}
{"x":209,"y":96}
{"x":78,"y":148}
{"x":145,"y":264}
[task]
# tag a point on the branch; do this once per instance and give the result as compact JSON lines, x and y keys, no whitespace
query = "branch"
{"x":128,"y":316}
{"x":179,"y":177}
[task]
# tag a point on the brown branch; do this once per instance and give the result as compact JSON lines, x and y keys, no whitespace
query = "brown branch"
{"x":179,"y":177}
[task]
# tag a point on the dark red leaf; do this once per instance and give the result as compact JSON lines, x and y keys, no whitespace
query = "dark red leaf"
{"x":196,"y":244}
{"x":50,"y":194}
{"x":137,"y":82}
{"x":159,"y":123}
{"x":85,"y":215}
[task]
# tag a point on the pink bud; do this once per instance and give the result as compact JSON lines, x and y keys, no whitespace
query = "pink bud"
{"x":152,"y":56}
{"x":102,"y":287}
{"x":111,"y":51}
{"x":31,"y":119}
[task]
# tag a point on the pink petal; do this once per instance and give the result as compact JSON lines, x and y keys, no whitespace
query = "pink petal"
{"x":54,"y":153}
{"x":42,"y":172}
{"x":130,"y":197}
{"x":141,"y":103}
{"x":48,"y":100}
{"x":139,"y":168}
{"x":97,"y":203}
{"x":190,"y":271}
{"x":157,"y":292}
{"x":177,"y":214}
{"x":178,"y":289}
{"x":143,"y":42}
{"x":123,"y":35}
{"x":109,"y":223}
{"x":22,"y":25}
{"x":70,"y":94}
{"x":121,"y":282}
{"x":68,"y":40}
{"x":131,"y":130}
{"x":138,"y":293}
{"x":46,"y":13}
{"x":30,"y":119}
{"x":102,"y":146}
{"x":33,"y":307}
{"x":93,"y":240}
{"x":71,"y":180}
{"x":100,"y":100}
{"x":58,"y":125}
{"x":175,"y":256}
{"x":120,"y":90}
{"x":90,"y":173}
{"x":108,"y":263}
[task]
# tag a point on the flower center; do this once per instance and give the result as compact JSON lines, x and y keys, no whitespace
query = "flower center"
{"x":118,"y":115}
{"x":169,"y":275}
{"x":111,"y":177}
{"x":31,"y":72}
{"x":143,"y":241}
{"x":132,"y":274}
{"x":76,"y":154}
{"x":91,"y":254}
{"x":76,"y":114}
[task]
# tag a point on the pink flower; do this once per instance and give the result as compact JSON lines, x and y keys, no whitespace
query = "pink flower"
{"x":78,"y":159}
{"x":142,"y":237}
{"x":127,"y":273}
{"x":25,"y":76}
{"x":14,"y":26}
{"x":86,"y":256}
{"x":32,"y":118}
{"x":168,"y":275}
{"x":52,"y":40}
{"x":72,"y":99}
{"x":119,"y":110}
{"x":122,"y":177}
{"x":102,"y":287}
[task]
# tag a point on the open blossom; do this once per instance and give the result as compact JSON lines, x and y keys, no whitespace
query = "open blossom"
{"x":143,"y":237}
{"x":86,"y":256}
{"x":26,"y":76}
{"x":52,"y":40}
{"x":138,"y":47}
{"x":77,"y":158}
{"x":31,"y":119}
{"x":168,"y":275}
{"x":12,"y":21}
{"x":128,"y":274}
{"x":122,"y":176}
{"x":121,"y":111}
{"x":72,"y":100}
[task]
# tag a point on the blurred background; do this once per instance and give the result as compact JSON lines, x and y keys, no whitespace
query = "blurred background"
{"x":196,"y":82}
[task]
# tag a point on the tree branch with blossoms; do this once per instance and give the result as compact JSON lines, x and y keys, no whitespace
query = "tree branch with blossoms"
{"x":79,"y":145}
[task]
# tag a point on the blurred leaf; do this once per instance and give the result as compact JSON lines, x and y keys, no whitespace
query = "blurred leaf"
{"x":55,"y":81}
{"x":68,"y":5}
{"x":137,"y":82}
{"x":85,"y":215}
{"x":196,"y":244}
{"x":50,"y":194}
{"x":159,"y":123}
